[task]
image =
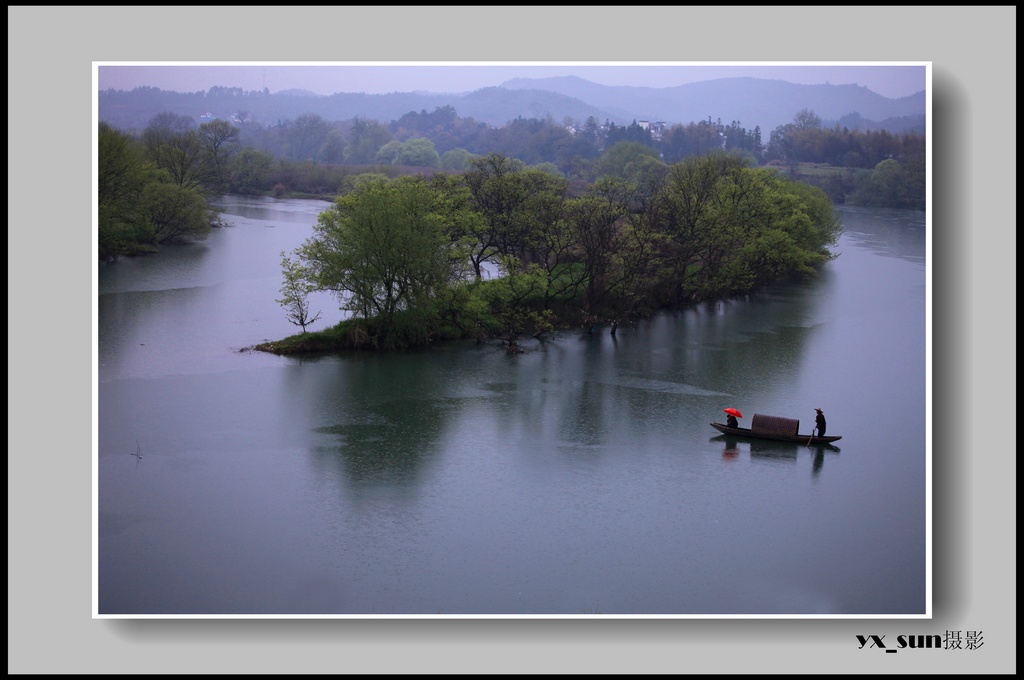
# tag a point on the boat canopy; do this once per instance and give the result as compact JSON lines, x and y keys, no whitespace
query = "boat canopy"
{"x":774,"y":425}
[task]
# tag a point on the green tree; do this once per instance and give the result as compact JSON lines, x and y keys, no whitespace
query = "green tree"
{"x":807,"y":214}
{"x":305,"y":135}
{"x":350,"y":183}
{"x":176,"y":213}
{"x":388,"y":154}
{"x":549,"y":168}
{"x":547,"y":239}
{"x":333,"y":148}
{"x":453,"y":201}
{"x":695,"y":139}
{"x":164,"y":126}
{"x":891,"y":184}
{"x":295,"y":293}
{"x":183,"y":158}
{"x":418,"y":152}
{"x":645,"y":171}
{"x":120,"y":169}
{"x":513,"y":300}
{"x":689,"y":215}
{"x":730,"y":228}
{"x":382,"y":249}
{"x":219,"y":140}
{"x":122,"y":174}
{"x":596,"y":219}
{"x":636,"y":262}
{"x":365,"y":139}
{"x":456,"y":159}
{"x":250,"y":170}
{"x":806,"y":119}
{"x":621,"y":158}
{"x":173,"y":143}
{"x":509,"y":197}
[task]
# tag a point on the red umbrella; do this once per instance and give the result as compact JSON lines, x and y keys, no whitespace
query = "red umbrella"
{"x":733,"y":412}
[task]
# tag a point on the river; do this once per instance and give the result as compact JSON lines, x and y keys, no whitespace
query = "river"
{"x":580,"y":478}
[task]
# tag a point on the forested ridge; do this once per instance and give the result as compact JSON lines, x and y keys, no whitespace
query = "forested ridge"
{"x":406,"y":256}
{"x":597,"y":222}
{"x":309,"y":156}
{"x":754,"y":101}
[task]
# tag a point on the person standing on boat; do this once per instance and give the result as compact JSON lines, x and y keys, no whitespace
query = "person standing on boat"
{"x":819,"y":422}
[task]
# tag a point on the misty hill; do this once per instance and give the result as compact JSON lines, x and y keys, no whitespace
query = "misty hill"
{"x":750,"y":101}
{"x":493,"y":105}
{"x":498,"y":105}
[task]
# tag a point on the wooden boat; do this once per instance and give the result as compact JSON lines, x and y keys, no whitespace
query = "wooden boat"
{"x":774,"y":428}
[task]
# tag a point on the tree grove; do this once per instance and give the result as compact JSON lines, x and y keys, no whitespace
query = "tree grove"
{"x":406,"y":254}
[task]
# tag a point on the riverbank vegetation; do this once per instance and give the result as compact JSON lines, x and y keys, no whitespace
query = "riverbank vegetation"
{"x":431,"y":239}
{"x":504,"y":250}
{"x":155,"y":184}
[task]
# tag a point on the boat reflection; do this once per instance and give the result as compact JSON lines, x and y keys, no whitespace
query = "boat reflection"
{"x":773,"y":450}
{"x":764,"y":449}
{"x":731,"y":450}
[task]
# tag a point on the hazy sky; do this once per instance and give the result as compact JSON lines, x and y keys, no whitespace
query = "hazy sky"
{"x":897,"y":79}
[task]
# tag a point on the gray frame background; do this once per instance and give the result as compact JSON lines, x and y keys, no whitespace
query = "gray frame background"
{"x":50,"y":400}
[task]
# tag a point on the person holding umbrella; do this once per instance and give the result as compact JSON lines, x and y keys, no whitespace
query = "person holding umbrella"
{"x":731,"y":417}
{"x":819,"y":422}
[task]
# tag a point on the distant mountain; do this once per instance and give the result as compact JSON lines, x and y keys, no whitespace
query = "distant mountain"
{"x":493,"y":105}
{"x":498,"y":106}
{"x":750,"y":101}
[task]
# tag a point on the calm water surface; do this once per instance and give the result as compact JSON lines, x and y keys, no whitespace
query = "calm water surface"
{"x":581,"y":478}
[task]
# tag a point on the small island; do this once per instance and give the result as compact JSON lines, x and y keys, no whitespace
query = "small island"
{"x":504,"y":251}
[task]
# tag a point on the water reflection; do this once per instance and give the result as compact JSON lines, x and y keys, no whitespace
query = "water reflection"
{"x":819,"y":461}
{"x":723,"y":343}
{"x":268,"y":209}
{"x":732,"y":447}
{"x":130,"y":329}
{"x":382,"y":423}
{"x":763,"y":450}
{"x":576,"y":477}
{"x":890,"y":233}
{"x":181,"y":266}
